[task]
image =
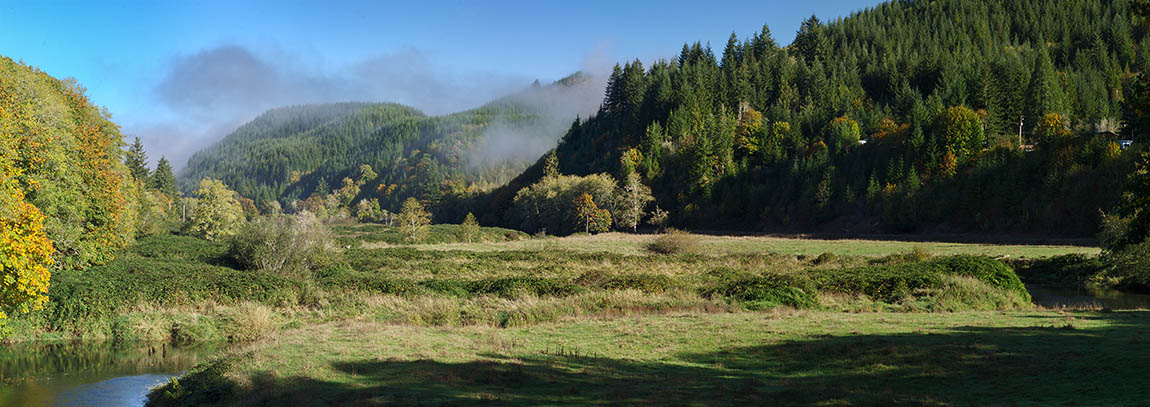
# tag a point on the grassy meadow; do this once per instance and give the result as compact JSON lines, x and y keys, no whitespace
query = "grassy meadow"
{"x":183,"y":289}
{"x":521,"y":320}
{"x":632,"y":244}
{"x":769,"y":358}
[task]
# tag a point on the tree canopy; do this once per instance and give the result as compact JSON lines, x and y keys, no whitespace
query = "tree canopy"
{"x":904,"y":116}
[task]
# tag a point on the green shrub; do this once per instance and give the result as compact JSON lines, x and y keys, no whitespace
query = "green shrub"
{"x":176,"y":247}
{"x":674,"y":242}
{"x":284,"y":244}
{"x":1129,"y":267}
{"x":896,"y":282}
{"x":651,"y":283}
{"x":959,"y":293}
{"x":765,"y":291}
{"x":825,"y":258}
{"x":994,"y":272}
{"x":345,"y":277}
{"x":1071,"y":270}
{"x":78,"y":298}
{"x":504,"y":287}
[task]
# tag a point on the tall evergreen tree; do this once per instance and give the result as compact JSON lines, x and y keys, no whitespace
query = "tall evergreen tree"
{"x":137,"y":161}
{"x":321,"y":188}
{"x":163,"y":179}
{"x":1046,"y":94}
{"x":811,"y":42}
{"x":551,"y":165}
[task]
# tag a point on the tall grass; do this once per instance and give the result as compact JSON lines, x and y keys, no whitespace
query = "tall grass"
{"x":181,"y":289}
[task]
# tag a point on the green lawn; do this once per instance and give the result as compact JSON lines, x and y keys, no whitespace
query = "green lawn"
{"x":773,"y":358}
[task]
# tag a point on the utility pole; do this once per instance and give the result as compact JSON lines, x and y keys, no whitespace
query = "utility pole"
{"x":1020,"y":132}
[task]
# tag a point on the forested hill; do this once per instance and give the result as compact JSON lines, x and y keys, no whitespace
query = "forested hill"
{"x":286,"y":153}
{"x":772,"y":138}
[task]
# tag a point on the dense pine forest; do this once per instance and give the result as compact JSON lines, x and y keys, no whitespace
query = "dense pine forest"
{"x":290,"y":154}
{"x":904,"y":117}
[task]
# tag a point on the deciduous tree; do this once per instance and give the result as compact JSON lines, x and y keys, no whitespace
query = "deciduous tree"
{"x":631,"y":202}
{"x":25,"y":251}
{"x":217,"y":213}
{"x":413,"y":220}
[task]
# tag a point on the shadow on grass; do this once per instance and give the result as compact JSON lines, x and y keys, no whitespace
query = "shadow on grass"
{"x":1042,"y":365}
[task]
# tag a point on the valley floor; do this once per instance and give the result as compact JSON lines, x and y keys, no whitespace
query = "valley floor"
{"x":768,"y":358}
{"x":601,"y":320}
{"x":808,"y":245}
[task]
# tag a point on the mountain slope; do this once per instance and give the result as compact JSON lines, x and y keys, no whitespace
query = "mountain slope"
{"x":768,"y":138}
{"x":284,"y":153}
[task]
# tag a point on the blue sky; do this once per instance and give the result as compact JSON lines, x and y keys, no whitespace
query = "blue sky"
{"x":181,"y":74}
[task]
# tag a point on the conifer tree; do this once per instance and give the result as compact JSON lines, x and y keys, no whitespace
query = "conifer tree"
{"x":164,"y":180}
{"x":551,"y":165}
{"x":1045,"y":93}
{"x":469,"y":229}
{"x":321,"y":188}
{"x":137,"y":161}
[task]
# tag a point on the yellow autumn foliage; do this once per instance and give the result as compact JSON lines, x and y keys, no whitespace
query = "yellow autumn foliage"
{"x":25,"y":251}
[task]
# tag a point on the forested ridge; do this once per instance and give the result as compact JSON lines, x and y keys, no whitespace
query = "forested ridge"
{"x":904,"y":117}
{"x":291,"y":153}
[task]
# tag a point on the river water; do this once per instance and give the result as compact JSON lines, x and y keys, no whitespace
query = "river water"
{"x":85,"y":374}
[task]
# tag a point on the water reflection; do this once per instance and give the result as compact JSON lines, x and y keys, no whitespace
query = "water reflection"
{"x":1056,"y":297}
{"x":87,"y":374}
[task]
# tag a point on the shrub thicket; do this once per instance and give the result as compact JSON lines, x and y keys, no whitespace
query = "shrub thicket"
{"x":674,"y":242}
{"x":284,"y":244}
{"x":1129,"y":267}
{"x":896,"y":282}
{"x":80,"y":298}
{"x":651,"y":283}
{"x":765,"y":291}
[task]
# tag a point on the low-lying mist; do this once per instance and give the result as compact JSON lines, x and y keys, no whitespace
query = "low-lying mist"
{"x":554,"y":108}
{"x":204,"y":96}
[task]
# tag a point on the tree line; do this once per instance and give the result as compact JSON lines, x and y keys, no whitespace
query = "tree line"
{"x":946,"y":116}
